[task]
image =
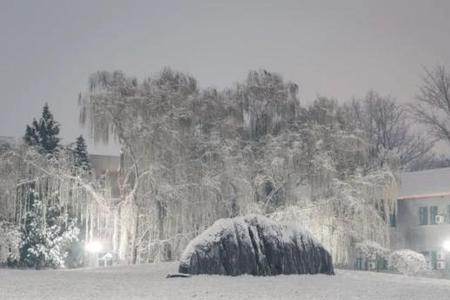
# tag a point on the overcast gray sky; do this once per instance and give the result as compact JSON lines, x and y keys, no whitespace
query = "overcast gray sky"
{"x":339,"y":49}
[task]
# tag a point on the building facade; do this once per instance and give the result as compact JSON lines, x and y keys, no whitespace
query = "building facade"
{"x":422,"y":218}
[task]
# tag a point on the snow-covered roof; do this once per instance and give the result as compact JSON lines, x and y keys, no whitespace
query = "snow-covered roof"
{"x":425,"y":184}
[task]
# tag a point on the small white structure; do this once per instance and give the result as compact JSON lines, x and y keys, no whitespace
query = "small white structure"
{"x":106,"y":260}
{"x":96,"y":255}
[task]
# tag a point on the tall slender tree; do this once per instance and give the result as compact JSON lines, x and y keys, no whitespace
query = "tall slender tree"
{"x":43,"y":133}
{"x":81,"y":157}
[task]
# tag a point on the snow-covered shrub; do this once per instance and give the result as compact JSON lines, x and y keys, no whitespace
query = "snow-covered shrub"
{"x":255,"y":245}
{"x":407,"y":262}
{"x":9,"y":243}
{"x":370,"y":255}
{"x":372,"y":250}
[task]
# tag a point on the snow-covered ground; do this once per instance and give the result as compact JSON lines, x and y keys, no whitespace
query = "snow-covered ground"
{"x":149,"y":282}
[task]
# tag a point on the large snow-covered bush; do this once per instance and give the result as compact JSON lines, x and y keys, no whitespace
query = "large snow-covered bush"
{"x":407,"y":262}
{"x":255,"y":245}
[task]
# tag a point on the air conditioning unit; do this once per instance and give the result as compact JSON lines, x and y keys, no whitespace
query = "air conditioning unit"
{"x":440,"y":265}
{"x":439,"y":219}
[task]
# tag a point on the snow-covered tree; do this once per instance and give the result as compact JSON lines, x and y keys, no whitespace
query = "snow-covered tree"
{"x":47,"y":235}
{"x":432,"y":108}
{"x":388,"y":129}
{"x":33,"y":246}
{"x":81,"y":157}
{"x":43,"y":133}
{"x":79,"y":200}
{"x":192,"y":156}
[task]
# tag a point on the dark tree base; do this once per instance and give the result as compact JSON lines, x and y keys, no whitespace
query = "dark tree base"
{"x":178,"y":275}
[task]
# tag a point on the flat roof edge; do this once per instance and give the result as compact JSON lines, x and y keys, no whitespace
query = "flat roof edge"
{"x":424,"y":196}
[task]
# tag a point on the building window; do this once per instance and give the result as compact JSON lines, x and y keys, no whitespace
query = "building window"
{"x":433,"y":214}
{"x":426,"y":254}
{"x":423,"y":215}
{"x":393,"y":218}
{"x":433,"y":260}
{"x":448,"y":214}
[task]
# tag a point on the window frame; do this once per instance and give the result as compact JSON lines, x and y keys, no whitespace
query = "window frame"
{"x":423,"y":215}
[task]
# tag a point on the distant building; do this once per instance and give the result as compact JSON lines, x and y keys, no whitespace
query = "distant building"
{"x":102,"y":164}
{"x":422,"y":220}
{"x":8,"y":140}
{"x":107,"y":168}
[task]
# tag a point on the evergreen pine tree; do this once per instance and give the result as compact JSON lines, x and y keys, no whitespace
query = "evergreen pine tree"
{"x":49,"y":130}
{"x":31,"y":137}
{"x":43,"y":133}
{"x":32,"y":246}
{"x":48,"y":241}
{"x":81,"y":158}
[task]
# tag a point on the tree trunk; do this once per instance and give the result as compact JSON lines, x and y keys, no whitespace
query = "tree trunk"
{"x":135,"y":236}
{"x":123,"y":241}
{"x":161,"y":208}
{"x":116,"y":229}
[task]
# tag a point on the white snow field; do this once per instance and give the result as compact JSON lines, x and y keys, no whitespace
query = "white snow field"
{"x":149,"y":282}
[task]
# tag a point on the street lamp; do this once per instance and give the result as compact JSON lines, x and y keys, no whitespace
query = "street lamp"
{"x":446,"y":245}
{"x":93,"y":247}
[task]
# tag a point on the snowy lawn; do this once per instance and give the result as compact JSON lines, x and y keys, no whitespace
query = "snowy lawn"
{"x":149,"y":282}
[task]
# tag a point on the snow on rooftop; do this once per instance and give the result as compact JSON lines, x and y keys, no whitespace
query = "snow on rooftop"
{"x":427,"y":182}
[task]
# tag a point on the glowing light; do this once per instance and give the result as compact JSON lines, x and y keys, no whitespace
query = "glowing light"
{"x":93,"y":247}
{"x":446,"y":245}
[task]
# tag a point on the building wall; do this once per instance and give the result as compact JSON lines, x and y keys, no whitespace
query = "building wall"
{"x":107,"y":168}
{"x":104,"y":163}
{"x":427,"y":239}
{"x":421,"y":237}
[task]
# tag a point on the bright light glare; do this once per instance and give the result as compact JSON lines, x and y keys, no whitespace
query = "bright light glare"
{"x":446,"y":245}
{"x":93,"y":247}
